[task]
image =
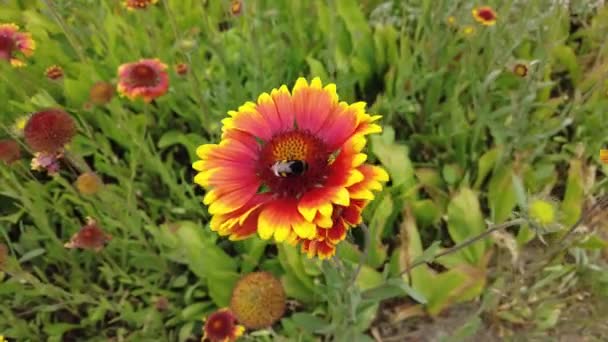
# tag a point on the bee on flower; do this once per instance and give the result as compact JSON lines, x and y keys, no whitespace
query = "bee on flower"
{"x":14,"y":42}
{"x":291,"y":167}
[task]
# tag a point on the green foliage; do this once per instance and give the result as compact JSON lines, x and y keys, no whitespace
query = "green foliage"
{"x":466,"y":142}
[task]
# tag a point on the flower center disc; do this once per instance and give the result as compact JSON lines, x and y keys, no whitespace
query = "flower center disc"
{"x":7,"y":44}
{"x":487,"y":15}
{"x":291,"y":146}
{"x":143,"y":76}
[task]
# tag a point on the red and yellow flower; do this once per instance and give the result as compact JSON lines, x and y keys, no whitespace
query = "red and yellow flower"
{"x":313,"y":208}
{"x":146,"y":79}
{"x":54,"y":72}
{"x":221,"y":326}
{"x":485,"y":15}
{"x":138,"y":4}
{"x":13,"y":41}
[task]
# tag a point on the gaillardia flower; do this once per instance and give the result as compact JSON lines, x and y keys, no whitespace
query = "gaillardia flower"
{"x":138,"y":4}
{"x":49,"y":130}
{"x":146,"y":79}
{"x":54,"y":72}
{"x":13,"y":41}
{"x":101,"y":93}
{"x":291,"y":167}
{"x":604,"y":156}
{"x":520,"y":69}
{"x":221,"y":326}
{"x":9,"y":151}
{"x":258,"y":300}
{"x":485,"y":15}
{"x":90,"y":237}
{"x":88,"y":183}
{"x":236,"y":7}
{"x":181,"y":69}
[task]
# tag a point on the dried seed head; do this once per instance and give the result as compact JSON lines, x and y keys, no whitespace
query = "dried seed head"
{"x":9,"y":151}
{"x":54,"y":72}
{"x":101,"y":93}
{"x":88,"y":183}
{"x":49,"y":130}
{"x":90,"y":236}
{"x":258,"y":300}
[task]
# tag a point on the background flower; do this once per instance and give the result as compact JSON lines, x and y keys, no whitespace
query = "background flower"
{"x":9,"y":151}
{"x":258,"y":300}
{"x":49,"y":130}
{"x":146,"y":79}
{"x":485,"y":15}
{"x":221,"y":326}
{"x":12,"y":41}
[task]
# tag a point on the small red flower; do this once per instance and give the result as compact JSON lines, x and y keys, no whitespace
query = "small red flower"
{"x":101,"y":93}
{"x":138,"y":4}
{"x":181,"y":69}
{"x":89,"y":237}
{"x":221,"y":326}
{"x":9,"y":151}
{"x":146,"y":79}
{"x":49,"y":130}
{"x":54,"y":72}
{"x":485,"y":15}
{"x":12,"y":41}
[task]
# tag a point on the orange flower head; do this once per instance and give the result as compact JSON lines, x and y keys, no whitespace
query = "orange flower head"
{"x":88,"y":183}
{"x":291,"y":167}
{"x":12,"y":41}
{"x":236,"y":7}
{"x":485,"y":15}
{"x":49,"y":130}
{"x":146,"y":79}
{"x":520,"y":69}
{"x":604,"y":156}
{"x":9,"y":151}
{"x":54,"y":72}
{"x":90,"y":237}
{"x":138,"y":4}
{"x":221,"y":326}
{"x":258,"y":300}
{"x":101,"y":93}
{"x":181,"y":69}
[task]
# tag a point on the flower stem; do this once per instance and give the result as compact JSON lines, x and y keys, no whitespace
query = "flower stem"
{"x":77,"y":47}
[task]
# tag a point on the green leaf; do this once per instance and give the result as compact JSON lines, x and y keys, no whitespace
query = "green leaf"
{"x":368,"y":278}
{"x":427,"y":212}
{"x":566,"y":56}
{"x":465,"y":221}
{"x":31,"y":255}
{"x":574,"y":196}
{"x":309,"y":322}
{"x":452,"y":173}
{"x":485,"y":164}
{"x":391,"y":289}
{"x":317,"y":69}
{"x":377,"y":224}
{"x":394,"y":157}
{"x":501,"y":194}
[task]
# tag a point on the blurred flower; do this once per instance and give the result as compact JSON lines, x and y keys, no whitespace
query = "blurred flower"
{"x":88,"y":183}
{"x":272,"y":171}
{"x":236,"y":7}
{"x":138,"y":4}
{"x":49,"y":130}
{"x":468,"y":30}
{"x":520,"y":69}
{"x":45,"y":161}
{"x":19,"y":125}
{"x":258,"y":300}
{"x":542,"y":211}
{"x":604,"y":156}
{"x":146,"y":78}
{"x":54,"y":72}
{"x":9,"y":151}
{"x":90,"y":236}
{"x":161,"y":304}
{"x":3,"y":258}
{"x":101,"y":93}
{"x":2,"y":339}
{"x":221,"y":326}
{"x":181,"y":69}
{"x":451,"y":20}
{"x":485,"y":15}
{"x":11,"y":41}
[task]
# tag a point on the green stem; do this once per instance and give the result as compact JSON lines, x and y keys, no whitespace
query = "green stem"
{"x":71,"y":39}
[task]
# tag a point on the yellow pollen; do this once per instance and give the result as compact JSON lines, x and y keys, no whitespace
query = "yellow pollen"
{"x":292,"y":148}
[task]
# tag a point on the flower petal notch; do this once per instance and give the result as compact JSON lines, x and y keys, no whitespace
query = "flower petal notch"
{"x":146,"y":79}
{"x":14,"y":42}
{"x":485,"y":15}
{"x":221,"y":326}
{"x":290,"y":167}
